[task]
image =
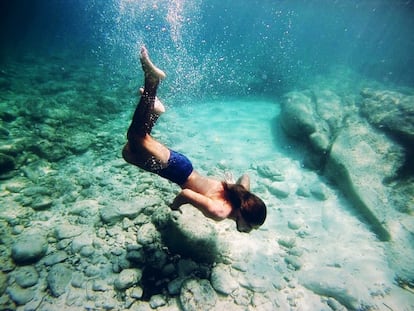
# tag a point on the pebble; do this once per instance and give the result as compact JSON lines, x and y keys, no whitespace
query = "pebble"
{"x":279,"y":189}
{"x":240,"y":265}
{"x":29,"y":248}
{"x":58,"y":279}
{"x":242,"y":297}
{"x":147,"y":234}
{"x":20,"y":295}
{"x":293,"y":262}
{"x":303,"y":191}
{"x":87,"y":251}
{"x":26,"y":276}
{"x":81,"y":241}
{"x":17,"y":185}
{"x":62,"y":244}
{"x":41,"y":203}
{"x":222,"y":280}
{"x":295,"y":224}
{"x":18,"y":229}
{"x":319,"y":191}
{"x":174,"y":286}
{"x":92,"y":271}
{"x":67,"y":231}
{"x":55,"y":258}
{"x":157,"y":301}
{"x":100,"y":286}
{"x":137,"y":292}
{"x":295,"y":251}
{"x":261,"y":302}
{"x":36,"y":191}
{"x":270,"y":172}
{"x":197,"y":295}
{"x":136,"y":256}
{"x":113,"y":214}
{"x":287,"y":242}
{"x":255,"y":283}
{"x":78,"y":279}
{"x":127,"y":278}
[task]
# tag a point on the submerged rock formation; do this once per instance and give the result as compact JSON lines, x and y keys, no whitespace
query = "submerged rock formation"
{"x":363,"y":161}
{"x":392,"y":112}
{"x":191,"y":235}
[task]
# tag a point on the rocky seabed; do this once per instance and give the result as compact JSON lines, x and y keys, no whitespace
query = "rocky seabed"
{"x":82,"y":230}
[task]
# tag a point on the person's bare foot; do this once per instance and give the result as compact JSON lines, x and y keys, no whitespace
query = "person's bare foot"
{"x":158,"y":106}
{"x":151,"y":71}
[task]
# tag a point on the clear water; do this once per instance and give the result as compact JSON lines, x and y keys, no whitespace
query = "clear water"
{"x":70,"y":69}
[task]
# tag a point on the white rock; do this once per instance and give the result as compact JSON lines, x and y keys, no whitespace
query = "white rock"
{"x":136,"y":292}
{"x":258,"y":284}
{"x":127,"y":278}
{"x":338,"y":284}
{"x":295,"y":224}
{"x":192,"y":235}
{"x":222,"y":280}
{"x":157,"y":301}
{"x":147,"y":234}
{"x":319,"y":191}
{"x":100,"y":285}
{"x":67,"y":231}
{"x":279,"y":189}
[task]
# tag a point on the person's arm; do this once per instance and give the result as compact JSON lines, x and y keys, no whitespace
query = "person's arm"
{"x":244,"y":180}
{"x":206,"y":205}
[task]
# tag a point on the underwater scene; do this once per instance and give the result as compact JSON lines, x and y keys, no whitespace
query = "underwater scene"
{"x":313,"y":100}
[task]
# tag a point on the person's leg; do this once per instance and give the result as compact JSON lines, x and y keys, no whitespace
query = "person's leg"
{"x":149,"y":107}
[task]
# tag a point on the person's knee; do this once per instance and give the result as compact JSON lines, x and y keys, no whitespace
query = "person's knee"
{"x":127,"y":154}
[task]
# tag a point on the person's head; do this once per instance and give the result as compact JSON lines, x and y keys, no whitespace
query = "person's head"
{"x":249,"y":211}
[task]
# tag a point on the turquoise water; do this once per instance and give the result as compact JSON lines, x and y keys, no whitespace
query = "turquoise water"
{"x":69,"y":74}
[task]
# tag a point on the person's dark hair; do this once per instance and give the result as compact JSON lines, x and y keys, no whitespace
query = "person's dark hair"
{"x":252,"y":208}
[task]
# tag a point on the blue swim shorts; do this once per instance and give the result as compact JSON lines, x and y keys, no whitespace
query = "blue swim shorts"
{"x":178,"y":168}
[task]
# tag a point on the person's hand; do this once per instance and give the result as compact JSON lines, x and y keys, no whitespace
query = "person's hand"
{"x":175,"y":208}
{"x":178,"y":201}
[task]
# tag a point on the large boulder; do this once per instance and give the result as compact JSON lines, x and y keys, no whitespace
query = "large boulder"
{"x":191,"y":235}
{"x":390,"y":111}
{"x":366,"y":163}
{"x":359,"y":161}
{"x":297,"y":115}
{"x":313,"y":118}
